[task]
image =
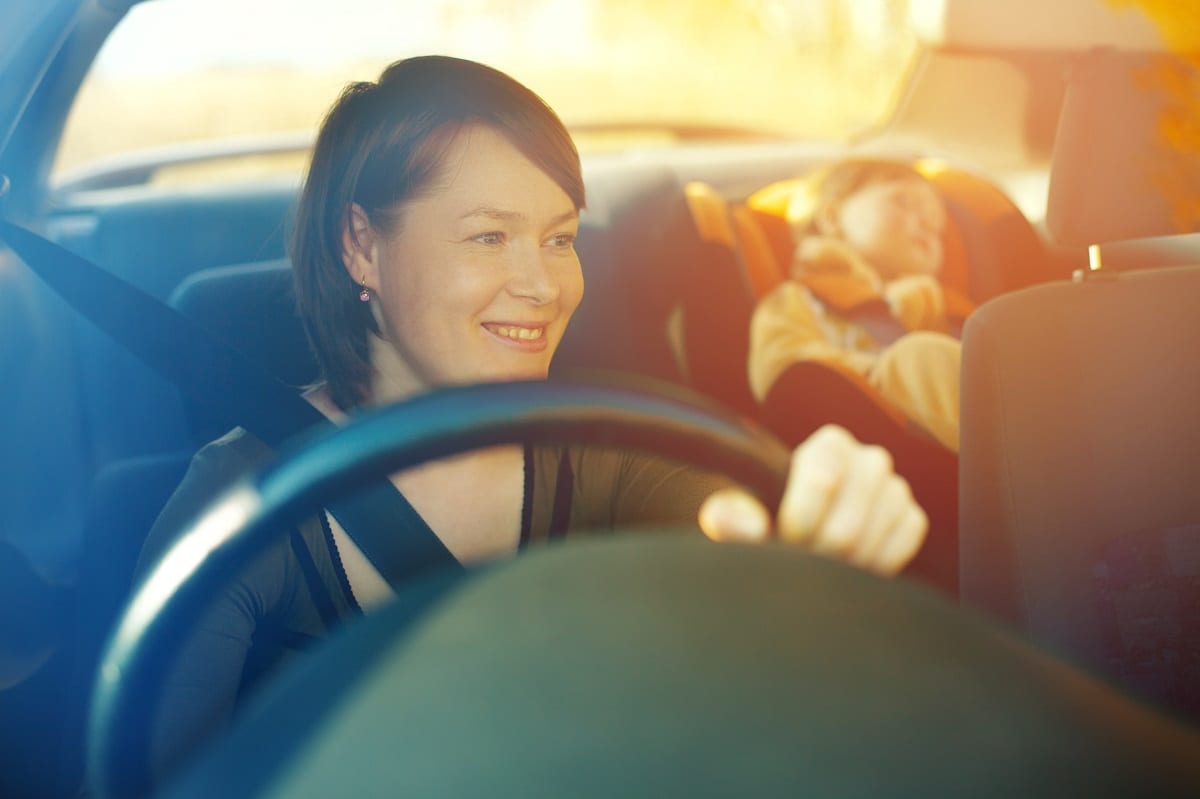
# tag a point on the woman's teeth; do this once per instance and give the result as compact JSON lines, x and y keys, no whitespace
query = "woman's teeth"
{"x":520,"y":333}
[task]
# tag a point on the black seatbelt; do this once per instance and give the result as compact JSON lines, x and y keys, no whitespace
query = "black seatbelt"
{"x":203,"y":368}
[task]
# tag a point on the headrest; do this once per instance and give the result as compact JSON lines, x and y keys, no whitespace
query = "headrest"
{"x":1127,"y":154}
{"x":770,"y":207}
{"x":1037,"y":25}
{"x":734,"y":227}
{"x":251,"y":308}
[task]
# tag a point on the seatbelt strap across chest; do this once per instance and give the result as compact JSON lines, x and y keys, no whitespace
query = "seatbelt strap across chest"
{"x":204,"y":368}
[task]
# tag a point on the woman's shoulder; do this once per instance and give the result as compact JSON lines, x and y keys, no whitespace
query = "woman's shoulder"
{"x":213,"y":468}
{"x":223,"y":460}
{"x":238,"y":447}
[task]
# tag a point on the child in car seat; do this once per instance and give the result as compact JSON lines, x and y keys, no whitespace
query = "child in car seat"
{"x":864,"y":296}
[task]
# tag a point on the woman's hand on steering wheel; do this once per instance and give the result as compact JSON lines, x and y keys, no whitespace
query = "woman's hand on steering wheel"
{"x":842,"y":500}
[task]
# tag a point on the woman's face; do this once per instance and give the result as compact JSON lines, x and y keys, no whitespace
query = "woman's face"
{"x":897,"y":225}
{"x":480,"y":277}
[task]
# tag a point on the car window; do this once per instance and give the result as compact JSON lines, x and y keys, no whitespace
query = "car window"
{"x":187,"y":74}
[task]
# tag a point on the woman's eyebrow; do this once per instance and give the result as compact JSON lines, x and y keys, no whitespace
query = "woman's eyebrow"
{"x":501,"y":215}
{"x":490,"y":212}
{"x":565,"y":216}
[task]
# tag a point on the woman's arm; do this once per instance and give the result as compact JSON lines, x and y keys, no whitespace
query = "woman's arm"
{"x":655,"y":491}
{"x":201,"y":688}
{"x":842,"y":500}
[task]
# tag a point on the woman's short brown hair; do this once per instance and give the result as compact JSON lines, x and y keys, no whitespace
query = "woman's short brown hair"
{"x":379,"y":146}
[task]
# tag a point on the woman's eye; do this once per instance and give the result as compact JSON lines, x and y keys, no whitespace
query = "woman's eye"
{"x":491,"y":237}
{"x":562,"y":240}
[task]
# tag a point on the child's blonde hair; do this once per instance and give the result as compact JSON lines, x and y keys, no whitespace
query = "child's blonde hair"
{"x":830,"y":185}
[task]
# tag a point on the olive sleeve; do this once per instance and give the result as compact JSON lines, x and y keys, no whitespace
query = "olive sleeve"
{"x":201,"y":687}
{"x":617,"y":489}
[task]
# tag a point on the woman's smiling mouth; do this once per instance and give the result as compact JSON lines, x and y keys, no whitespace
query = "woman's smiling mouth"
{"x":526,"y":338}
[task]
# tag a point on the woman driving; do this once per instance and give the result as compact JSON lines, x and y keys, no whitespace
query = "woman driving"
{"x":434,"y":246}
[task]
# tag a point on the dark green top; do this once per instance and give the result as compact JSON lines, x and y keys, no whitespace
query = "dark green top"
{"x":296,"y":591}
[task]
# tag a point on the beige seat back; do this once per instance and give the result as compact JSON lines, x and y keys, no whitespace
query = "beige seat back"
{"x":1080,"y":473}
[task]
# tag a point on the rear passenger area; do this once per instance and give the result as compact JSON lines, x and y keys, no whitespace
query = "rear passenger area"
{"x":746,"y":249}
{"x":673,"y":268}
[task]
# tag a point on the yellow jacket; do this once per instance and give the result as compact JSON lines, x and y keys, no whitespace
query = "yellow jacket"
{"x":812,"y":318}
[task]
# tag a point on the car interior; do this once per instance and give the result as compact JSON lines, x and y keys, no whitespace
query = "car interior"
{"x":1084,"y":389}
{"x":1070,"y":515}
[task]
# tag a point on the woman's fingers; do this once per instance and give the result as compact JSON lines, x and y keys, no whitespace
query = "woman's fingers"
{"x":891,"y":515}
{"x":732,"y":514}
{"x":844,"y":500}
{"x":846,"y":529}
{"x":816,"y":477}
{"x":903,"y":541}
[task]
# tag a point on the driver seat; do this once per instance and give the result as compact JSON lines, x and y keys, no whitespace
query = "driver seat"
{"x":249,"y":307}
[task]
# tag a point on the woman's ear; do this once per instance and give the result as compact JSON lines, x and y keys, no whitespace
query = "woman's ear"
{"x":359,"y":250}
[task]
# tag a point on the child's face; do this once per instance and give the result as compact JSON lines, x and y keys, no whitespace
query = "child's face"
{"x":896,"y":225}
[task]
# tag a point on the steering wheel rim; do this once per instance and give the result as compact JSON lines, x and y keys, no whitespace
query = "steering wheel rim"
{"x":244,"y":520}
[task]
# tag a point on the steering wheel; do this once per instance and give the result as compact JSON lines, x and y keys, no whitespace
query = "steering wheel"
{"x":245,"y":520}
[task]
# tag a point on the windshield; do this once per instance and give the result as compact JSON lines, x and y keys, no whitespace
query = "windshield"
{"x":619,"y":72}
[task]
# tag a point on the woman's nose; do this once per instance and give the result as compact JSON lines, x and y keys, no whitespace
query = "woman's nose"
{"x":532,"y":277}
